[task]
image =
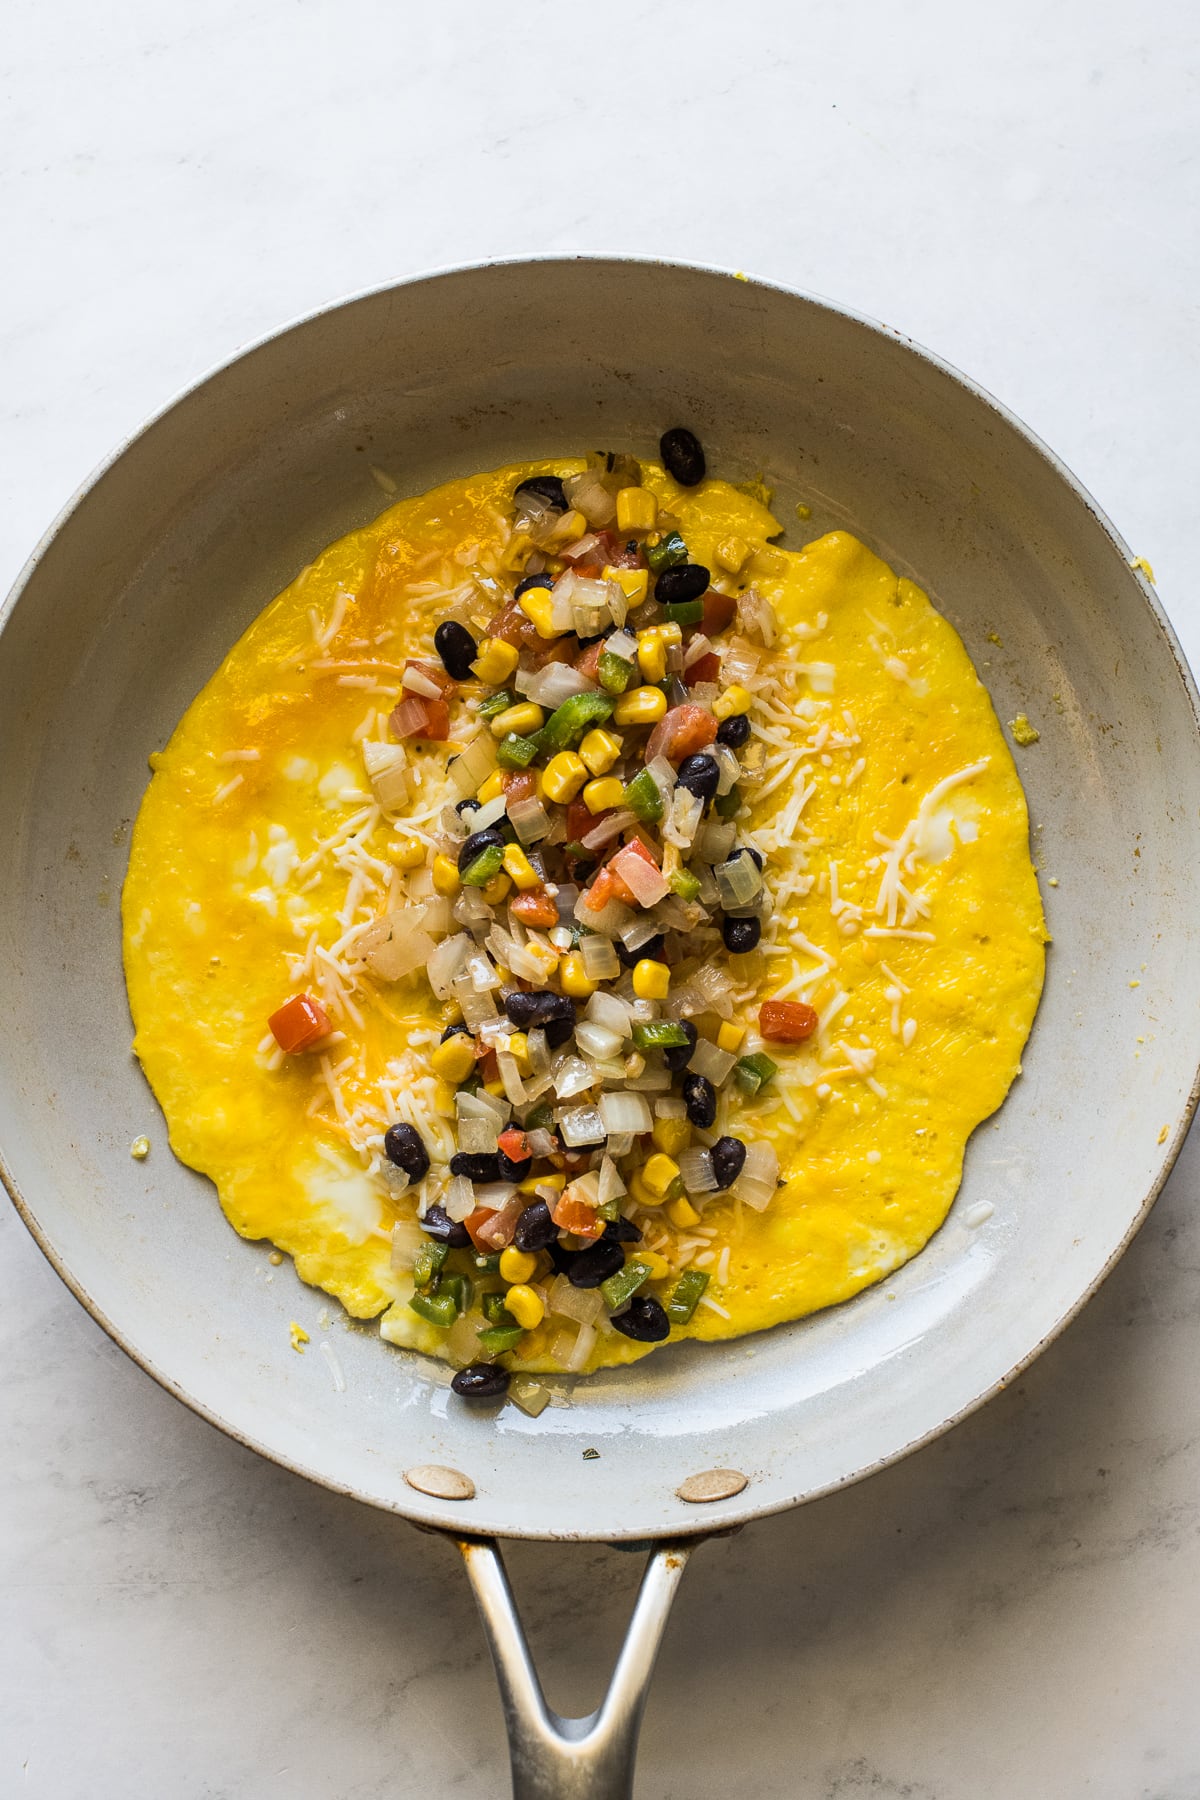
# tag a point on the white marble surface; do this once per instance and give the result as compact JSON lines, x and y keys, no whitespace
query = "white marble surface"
{"x":1012,"y":1613}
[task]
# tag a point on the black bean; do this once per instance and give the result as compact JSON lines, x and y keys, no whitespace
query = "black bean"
{"x":535,"y":1229}
{"x":403,"y":1146}
{"x":644,"y":1320}
{"x":653,"y":948}
{"x":463,"y":807}
{"x":481,"y":1381}
{"x":733,"y":732}
{"x":475,"y":844}
{"x":459,"y":1030}
{"x":622,"y":1231}
{"x":746,"y":850}
{"x":531,"y":581}
{"x":481,"y":1167}
{"x":596,"y":1264}
{"x":546,"y":487}
{"x":699,"y":775}
{"x":560,"y":1256}
{"x":456,"y":647}
{"x":438,"y":1224}
{"x":728,"y":1155}
{"x":687,"y":582}
{"x":700,"y":1098}
{"x":680,"y":1055}
{"x":741,"y":935}
{"x":682,"y":456}
{"x":552,"y":1013}
{"x":511,"y":1170}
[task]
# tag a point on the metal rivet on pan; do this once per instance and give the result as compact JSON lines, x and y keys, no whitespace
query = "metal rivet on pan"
{"x":440,"y":1482}
{"x":712,"y":1484}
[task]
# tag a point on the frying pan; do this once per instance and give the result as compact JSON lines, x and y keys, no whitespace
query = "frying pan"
{"x":129,"y":604}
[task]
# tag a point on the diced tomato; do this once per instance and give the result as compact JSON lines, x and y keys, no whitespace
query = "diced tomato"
{"x":544,"y":651}
{"x":433,"y":672}
{"x":719,"y":611}
{"x":495,"y":1232}
{"x":604,"y":888}
{"x":534,"y":907}
{"x":636,"y":869}
{"x":417,"y":716}
{"x":489,"y":1068}
{"x":786,"y":1021}
{"x":683,"y":731}
{"x":299,"y":1024}
{"x":705,"y":668}
{"x":511,"y":624}
{"x":514,"y":1144}
{"x":580,"y":820}
{"x":622,"y":553}
{"x":518,"y":784}
{"x":588,"y":660}
{"x":574,"y":1215}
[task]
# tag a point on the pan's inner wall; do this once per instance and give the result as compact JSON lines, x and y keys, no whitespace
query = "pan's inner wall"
{"x":215,"y":507}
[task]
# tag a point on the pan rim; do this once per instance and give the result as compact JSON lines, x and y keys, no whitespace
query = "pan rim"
{"x":743,"y":1509}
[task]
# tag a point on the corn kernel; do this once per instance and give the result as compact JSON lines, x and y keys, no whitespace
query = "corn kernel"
{"x":642,"y":1194}
{"x":518,"y":1049}
{"x":523,"y":718}
{"x":496,"y":661}
{"x":659,"y":1172}
{"x":570,"y":526}
{"x":671,"y":1135}
{"x":446,"y":879}
{"x":574,"y":977}
{"x":600,"y":750}
{"x":492,"y":788}
{"x":651,"y":655}
{"x":525,"y":1306}
{"x":517,"y":553}
{"x":670,"y":631}
{"x":599,"y":796}
{"x":537,"y":604}
{"x":518,"y":865}
{"x":494,"y":1087}
{"x":497,"y":889}
{"x":637,"y":509}
{"x":681,"y":1212}
{"x":730,"y":1036}
{"x":640,"y":706}
{"x":651,"y":980}
{"x":633,"y":583}
{"x":659,"y":1266}
{"x":734,"y":700}
{"x":516,"y":1265}
{"x":556,"y":1180}
{"x":565,"y":775}
{"x":731,"y":553}
{"x":408,"y":853}
{"x":455,"y":1059}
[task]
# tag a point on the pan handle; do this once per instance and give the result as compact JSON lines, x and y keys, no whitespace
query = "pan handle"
{"x":572,"y":1759}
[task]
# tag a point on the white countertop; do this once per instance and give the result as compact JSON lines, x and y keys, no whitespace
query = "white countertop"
{"x":1010,"y":1613}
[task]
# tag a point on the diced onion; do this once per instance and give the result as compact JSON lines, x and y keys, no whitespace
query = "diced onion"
{"x":714,"y":1064}
{"x":477,"y":1137}
{"x":761,"y":1164}
{"x":571,"y":1076}
{"x":394,"y":946}
{"x":582,"y":1125}
{"x":477,"y":1008}
{"x":696,"y":1171}
{"x":489,"y":813}
{"x":387,"y":771}
{"x":716,"y":986}
{"x":417,"y":682}
{"x":755,"y":1194}
{"x":605,"y":1009}
{"x":588,"y":496}
{"x":622,"y":644}
{"x":493,"y":1193}
{"x":407,"y":1238}
{"x":566,"y":1302}
{"x":470,"y":908}
{"x":600,"y":960}
{"x":729,"y":766}
{"x":608,"y":920}
{"x":539,"y":1058}
{"x":620,"y":1143}
{"x":652,"y":1082}
{"x":510,"y":1075}
{"x":469,"y":771}
{"x":669,"y":1107}
{"x":625,"y":1112}
{"x":585,"y":1340}
{"x":716,"y":840}
{"x":608,"y":829}
{"x":459,"y":1198}
{"x":447,"y":963}
{"x":541,"y":1143}
{"x":610,"y":1186}
{"x":740,"y":665}
{"x":550,"y":686}
{"x":696,"y":648}
{"x":639,"y":931}
{"x":596,"y":1040}
{"x":529,"y":819}
{"x":663,"y":776}
{"x":739,"y":881}
{"x":683,"y":820}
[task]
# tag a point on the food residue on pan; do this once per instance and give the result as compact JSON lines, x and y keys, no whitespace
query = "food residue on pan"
{"x":1023,"y":732}
{"x":568,"y":922}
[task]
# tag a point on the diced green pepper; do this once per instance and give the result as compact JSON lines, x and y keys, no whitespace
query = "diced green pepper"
{"x":610,"y":1210}
{"x":615,"y":673}
{"x":461,"y":1290}
{"x":684,"y":612}
{"x":726,"y":806}
{"x":575,"y":850}
{"x":437,"y":1309}
{"x":540,"y":1119}
{"x":485,"y":866}
{"x":513,"y":752}
{"x":427,"y":1264}
{"x":487,"y":1265}
{"x":659,"y":1034}
{"x":685,"y":1296}
{"x":753,"y":1072}
{"x":668,"y":553}
{"x":570,"y":720}
{"x":643,"y":797}
{"x":685,"y":884}
{"x":495,"y":1311}
{"x":626,"y":1282}
{"x":496,"y":703}
{"x":499,"y":1338}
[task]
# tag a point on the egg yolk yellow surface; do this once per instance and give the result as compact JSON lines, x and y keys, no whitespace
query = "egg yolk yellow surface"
{"x":895,"y":834}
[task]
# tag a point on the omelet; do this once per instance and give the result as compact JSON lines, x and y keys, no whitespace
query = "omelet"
{"x":281,"y":832}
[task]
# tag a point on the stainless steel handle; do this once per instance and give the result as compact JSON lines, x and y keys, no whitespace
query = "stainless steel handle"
{"x":572,"y":1759}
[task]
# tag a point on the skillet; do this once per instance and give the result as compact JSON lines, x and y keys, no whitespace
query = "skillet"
{"x":129,"y":604}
